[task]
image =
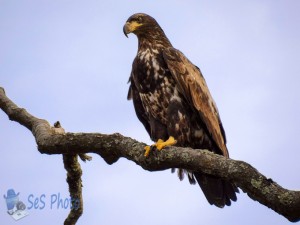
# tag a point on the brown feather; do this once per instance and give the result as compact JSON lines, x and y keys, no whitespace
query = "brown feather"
{"x":192,"y":85}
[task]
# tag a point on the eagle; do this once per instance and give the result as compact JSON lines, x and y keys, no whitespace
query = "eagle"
{"x":172,"y":101}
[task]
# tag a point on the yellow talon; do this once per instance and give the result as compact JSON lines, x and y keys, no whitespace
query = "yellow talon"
{"x":159,"y":141}
{"x":147,"y":150}
{"x":160,"y":144}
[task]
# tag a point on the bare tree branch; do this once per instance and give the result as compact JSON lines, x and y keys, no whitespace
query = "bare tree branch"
{"x":74,"y":173}
{"x":114,"y":146}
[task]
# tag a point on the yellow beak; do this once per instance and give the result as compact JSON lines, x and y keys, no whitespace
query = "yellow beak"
{"x":130,"y":27}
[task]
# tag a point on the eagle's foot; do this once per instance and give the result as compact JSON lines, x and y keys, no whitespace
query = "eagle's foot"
{"x":160,"y":144}
{"x":148,"y":148}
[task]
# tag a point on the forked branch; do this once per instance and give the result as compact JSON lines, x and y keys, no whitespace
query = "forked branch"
{"x":114,"y":146}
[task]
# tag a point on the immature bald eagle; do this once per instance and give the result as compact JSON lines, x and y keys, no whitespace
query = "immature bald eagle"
{"x":171,"y":99}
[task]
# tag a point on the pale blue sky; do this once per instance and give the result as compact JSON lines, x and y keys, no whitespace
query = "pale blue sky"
{"x":70,"y":61}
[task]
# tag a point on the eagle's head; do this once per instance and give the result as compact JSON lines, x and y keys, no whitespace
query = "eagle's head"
{"x":141,"y":25}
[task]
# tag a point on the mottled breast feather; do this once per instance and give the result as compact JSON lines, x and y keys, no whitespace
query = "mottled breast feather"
{"x":192,"y":85}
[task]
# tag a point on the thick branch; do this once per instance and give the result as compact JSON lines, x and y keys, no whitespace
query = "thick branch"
{"x":112,"y":147}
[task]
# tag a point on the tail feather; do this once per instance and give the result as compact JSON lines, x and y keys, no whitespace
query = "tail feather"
{"x":218,"y":192}
{"x":181,"y":172}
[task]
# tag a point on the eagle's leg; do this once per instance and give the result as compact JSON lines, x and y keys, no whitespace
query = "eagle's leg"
{"x":159,"y":145}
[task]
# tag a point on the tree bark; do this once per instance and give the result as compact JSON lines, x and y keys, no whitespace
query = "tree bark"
{"x":112,"y":147}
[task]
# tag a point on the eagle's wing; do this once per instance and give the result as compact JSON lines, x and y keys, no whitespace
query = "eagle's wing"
{"x":192,"y":86}
{"x":134,"y":95}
